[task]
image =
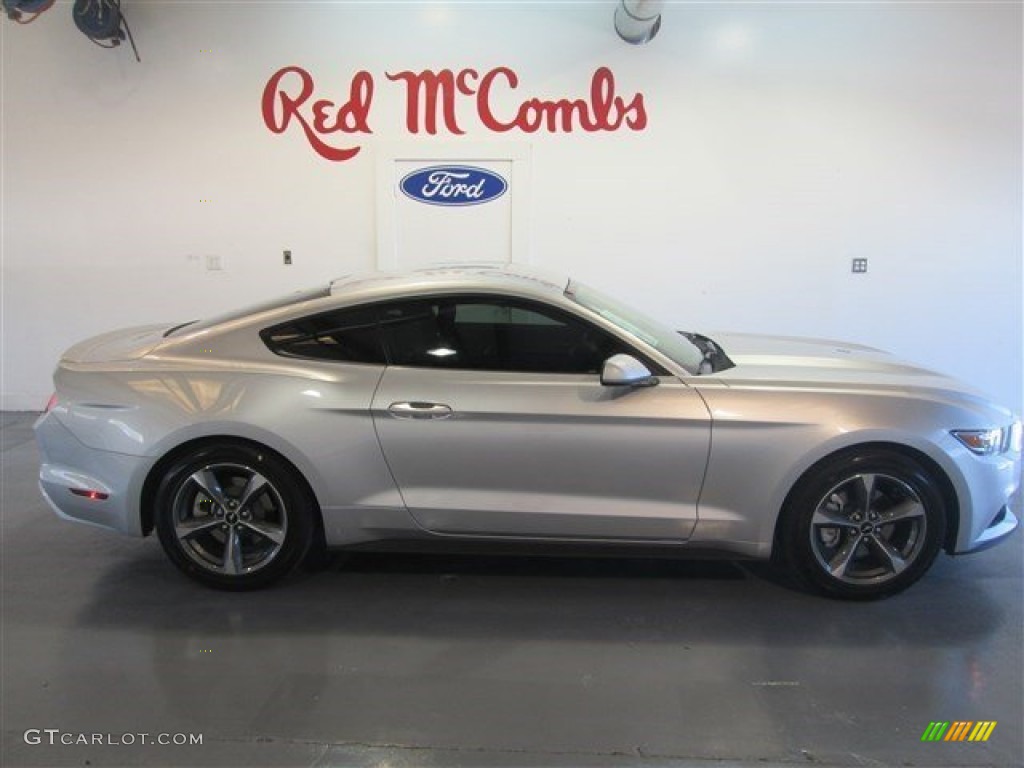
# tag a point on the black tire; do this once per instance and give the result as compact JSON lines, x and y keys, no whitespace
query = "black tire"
{"x":234,"y":516}
{"x":863,"y":525}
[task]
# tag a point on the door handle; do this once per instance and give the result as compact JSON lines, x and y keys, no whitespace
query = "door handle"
{"x":419,"y":410}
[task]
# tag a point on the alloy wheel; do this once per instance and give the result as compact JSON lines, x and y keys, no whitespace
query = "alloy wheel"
{"x":868,"y":529}
{"x":229,"y":519}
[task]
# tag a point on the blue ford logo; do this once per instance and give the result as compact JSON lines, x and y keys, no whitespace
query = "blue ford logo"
{"x":453,"y":185}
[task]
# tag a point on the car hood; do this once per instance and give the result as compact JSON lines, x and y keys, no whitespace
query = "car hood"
{"x":801,"y":362}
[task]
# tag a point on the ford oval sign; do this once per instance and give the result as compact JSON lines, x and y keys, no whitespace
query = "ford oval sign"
{"x":453,"y":185}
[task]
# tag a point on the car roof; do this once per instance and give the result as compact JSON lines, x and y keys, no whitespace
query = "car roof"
{"x":482,"y":276}
{"x":514,"y":279}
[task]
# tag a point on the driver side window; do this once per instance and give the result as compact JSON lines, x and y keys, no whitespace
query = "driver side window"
{"x":493,"y":334}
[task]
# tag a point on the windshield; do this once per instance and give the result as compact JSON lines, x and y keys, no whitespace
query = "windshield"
{"x":667,"y":341}
{"x":251,"y":309}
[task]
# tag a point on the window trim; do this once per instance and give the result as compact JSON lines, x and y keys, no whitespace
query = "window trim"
{"x":377,"y":306}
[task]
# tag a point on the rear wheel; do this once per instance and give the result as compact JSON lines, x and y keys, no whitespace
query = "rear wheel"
{"x":234,"y":516}
{"x":864,"y":525}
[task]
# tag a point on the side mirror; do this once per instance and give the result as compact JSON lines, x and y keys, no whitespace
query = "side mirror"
{"x":626,"y":371}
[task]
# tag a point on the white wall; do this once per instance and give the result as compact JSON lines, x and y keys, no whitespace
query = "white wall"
{"x":783,"y":140}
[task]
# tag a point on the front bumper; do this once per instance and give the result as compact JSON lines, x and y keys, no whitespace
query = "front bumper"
{"x":1002,"y":526}
{"x":68,"y":465}
{"x":992,"y":487}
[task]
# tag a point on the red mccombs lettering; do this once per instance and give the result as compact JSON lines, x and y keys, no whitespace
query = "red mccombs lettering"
{"x":432,"y":104}
{"x":283,"y":101}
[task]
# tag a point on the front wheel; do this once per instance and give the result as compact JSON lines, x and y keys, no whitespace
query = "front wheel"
{"x":864,"y":525}
{"x":234,"y":516}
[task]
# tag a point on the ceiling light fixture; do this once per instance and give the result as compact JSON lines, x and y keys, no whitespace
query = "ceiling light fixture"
{"x":638,"y":21}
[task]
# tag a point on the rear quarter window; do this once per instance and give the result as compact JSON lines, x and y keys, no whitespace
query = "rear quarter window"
{"x":345,"y":335}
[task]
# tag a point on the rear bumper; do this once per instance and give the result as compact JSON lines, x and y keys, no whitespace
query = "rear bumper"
{"x":67,"y":465}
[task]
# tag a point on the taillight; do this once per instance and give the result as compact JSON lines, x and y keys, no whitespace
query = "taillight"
{"x":51,"y":402}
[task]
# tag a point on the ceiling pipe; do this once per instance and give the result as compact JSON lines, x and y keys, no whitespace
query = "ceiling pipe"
{"x":638,"y":21}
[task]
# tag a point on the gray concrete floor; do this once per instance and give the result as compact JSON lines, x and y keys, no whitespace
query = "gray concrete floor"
{"x":470,"y":661}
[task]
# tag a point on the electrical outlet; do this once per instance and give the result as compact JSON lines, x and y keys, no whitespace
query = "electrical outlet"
{"x":287,"y":258}
{"x":859,"y":266}
{"x":214,"y":263}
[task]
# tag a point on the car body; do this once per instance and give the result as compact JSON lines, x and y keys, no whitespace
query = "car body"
{"x":493,"y":404}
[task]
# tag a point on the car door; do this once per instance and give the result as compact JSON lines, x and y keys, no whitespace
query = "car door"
{"x":494,"y":422}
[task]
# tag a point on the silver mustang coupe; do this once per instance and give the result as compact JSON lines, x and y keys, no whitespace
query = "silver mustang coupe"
{"x":497,"y":406}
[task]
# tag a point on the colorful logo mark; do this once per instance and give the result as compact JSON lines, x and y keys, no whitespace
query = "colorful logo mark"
{"x":960,"y":730}
{"x":453,"y":185}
